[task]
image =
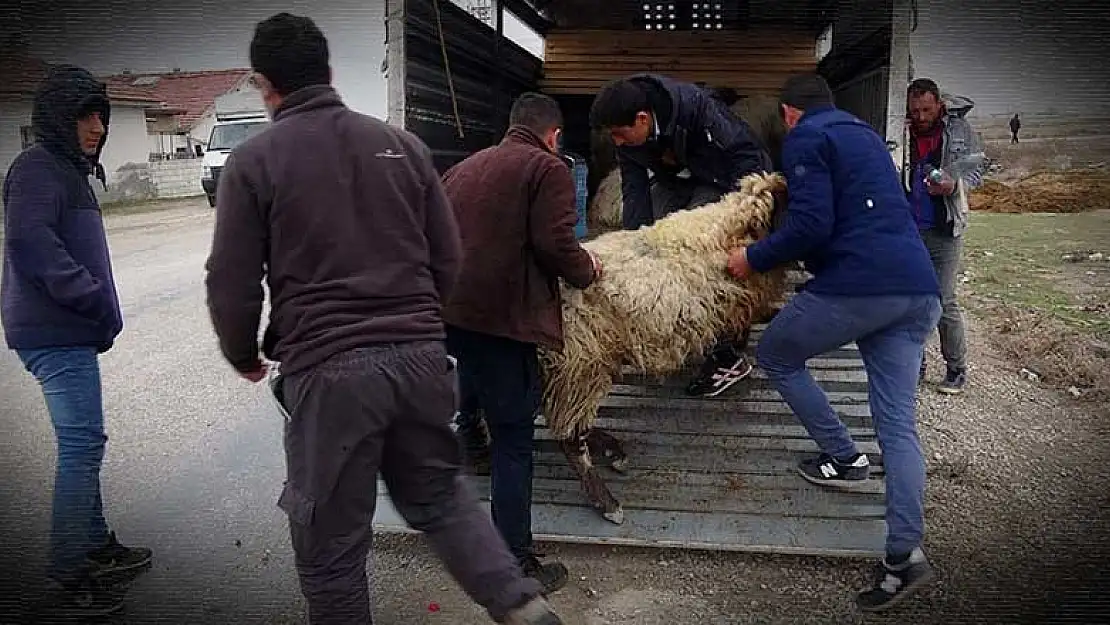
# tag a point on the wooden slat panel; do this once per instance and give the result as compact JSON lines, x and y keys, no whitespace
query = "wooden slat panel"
{"x":750,"y":62}
{"x":715,"y":474}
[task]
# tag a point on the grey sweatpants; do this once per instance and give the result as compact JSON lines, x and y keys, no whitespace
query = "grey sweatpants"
{"x":384,"y":409}
{"x":947,"y":252}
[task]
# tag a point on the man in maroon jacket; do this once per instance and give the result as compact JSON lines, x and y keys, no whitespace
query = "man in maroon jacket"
{"x":346,"y":219}
{"x":514,"y":203}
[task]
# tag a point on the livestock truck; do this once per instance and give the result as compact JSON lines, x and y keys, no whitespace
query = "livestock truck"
{"x":703,"y":473}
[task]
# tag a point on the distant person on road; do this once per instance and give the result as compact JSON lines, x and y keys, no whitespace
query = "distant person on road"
{"x":678,"y":148}
{"x":515,"y":205}
{"x":873,"y":284}
{"x":60,"y":312}
{"x":1015,"y":126}
{"x":346,"y":220}
{"x":940,"y":138}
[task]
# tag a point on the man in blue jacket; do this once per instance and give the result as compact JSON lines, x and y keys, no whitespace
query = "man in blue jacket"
{"x":60,"y":311}
{"x":850,"y":222}
{"x":679,"y":147}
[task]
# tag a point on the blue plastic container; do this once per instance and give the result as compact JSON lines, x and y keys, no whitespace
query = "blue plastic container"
{"x":580,"y":170}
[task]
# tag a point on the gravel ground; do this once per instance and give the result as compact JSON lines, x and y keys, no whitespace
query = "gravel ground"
{"x":1017,"y":485}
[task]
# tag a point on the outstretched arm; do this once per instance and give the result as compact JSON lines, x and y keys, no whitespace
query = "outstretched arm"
{"x":810,"y":216}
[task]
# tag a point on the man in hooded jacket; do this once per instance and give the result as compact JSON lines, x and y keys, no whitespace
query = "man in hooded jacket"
{"x":60,"y":311}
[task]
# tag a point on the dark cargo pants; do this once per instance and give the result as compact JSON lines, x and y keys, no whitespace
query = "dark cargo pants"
{"x":384,"y":409}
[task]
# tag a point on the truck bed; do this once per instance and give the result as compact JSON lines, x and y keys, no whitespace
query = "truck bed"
{"x":713,"y":474}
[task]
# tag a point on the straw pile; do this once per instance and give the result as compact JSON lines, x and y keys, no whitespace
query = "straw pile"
{"x":1073,"y":191}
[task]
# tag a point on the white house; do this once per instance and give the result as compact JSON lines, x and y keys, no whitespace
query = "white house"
{"x":20,"y":76}
{"x":190,"y":98}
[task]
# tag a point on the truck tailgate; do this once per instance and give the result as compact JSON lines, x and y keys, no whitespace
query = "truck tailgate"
{"x":713,"y":474}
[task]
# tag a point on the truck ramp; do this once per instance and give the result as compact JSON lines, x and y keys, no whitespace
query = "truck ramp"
{"x":716,"y":474}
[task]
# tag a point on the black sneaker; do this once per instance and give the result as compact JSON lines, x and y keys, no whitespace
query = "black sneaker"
{"x":825,"y":470}
{"x":896,"y":582}
{"x":113,"y":563}
{"x":82,"y":599}
{"x":717,"y":374}
{"x":954,"y":382}
{"x":535,"y":612}
{"x":552,"y":576}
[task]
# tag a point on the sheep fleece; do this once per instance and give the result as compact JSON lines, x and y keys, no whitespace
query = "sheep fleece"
{"x":664,"y":296}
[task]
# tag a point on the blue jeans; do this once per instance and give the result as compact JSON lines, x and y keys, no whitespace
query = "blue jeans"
{"x":70,"y":381}
{"x":891,"y":332}
{"x":502,"y":377}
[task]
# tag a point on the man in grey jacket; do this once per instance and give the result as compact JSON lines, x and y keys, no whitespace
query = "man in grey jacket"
{"x":945,"y":161}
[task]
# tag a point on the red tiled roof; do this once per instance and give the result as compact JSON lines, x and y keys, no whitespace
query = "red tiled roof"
{"x":193,"y":92}
{"x":21,"y":77}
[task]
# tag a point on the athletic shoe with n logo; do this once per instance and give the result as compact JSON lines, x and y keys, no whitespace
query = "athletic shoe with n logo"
{"x":825,"y":470}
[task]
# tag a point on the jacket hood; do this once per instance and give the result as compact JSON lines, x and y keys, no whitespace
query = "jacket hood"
{"x":67,"y":94}
{"x":957,"y":105}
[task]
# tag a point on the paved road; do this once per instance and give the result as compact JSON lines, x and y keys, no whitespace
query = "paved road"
{"x":194,"y":455}
{"x":194,"y":467}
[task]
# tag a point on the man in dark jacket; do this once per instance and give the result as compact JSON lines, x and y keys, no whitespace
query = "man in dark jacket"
{"x":678,"y":147}
{"x":873,"y":284}
{"x":346,"y":219}
{"x":60,"y":311}
{"x":515,"y":205}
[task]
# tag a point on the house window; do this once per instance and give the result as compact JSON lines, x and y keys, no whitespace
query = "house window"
{"x":26,"y":136}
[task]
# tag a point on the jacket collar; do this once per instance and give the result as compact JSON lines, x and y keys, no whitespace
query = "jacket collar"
{"x":526,"y":136}
{"x":308,"y":99}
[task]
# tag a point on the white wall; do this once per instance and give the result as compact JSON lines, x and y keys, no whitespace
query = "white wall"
{"x":13,"y":115}
{"x":127,"y":138}
{"x":127,"y":142}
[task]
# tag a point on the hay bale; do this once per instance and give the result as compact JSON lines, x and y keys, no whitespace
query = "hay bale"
{"x":664,"y":297}
{"x":1073,"y":191}
{"x":607,"y":204}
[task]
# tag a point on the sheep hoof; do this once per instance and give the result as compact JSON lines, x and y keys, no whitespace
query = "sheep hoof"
{"x":620,"y":465}
{"x":616,"y":517}
{"x":609,"y":448}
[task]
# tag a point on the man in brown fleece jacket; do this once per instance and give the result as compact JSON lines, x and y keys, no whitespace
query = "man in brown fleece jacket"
{"x":516,"y":212}
{"x":346,"y":219}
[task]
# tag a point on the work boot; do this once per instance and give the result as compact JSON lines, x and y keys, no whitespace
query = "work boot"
{"x":895,"y":582}
{"x":552,"y":576}
{"x":535,"y":612}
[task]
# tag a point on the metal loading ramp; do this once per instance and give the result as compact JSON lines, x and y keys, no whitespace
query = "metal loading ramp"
{"x":716,"y":474}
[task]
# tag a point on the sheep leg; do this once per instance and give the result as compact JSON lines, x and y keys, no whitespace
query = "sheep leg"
{"x":607,"y":447}
{"x":577,"y":450}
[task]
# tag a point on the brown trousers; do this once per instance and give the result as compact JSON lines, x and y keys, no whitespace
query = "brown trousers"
{"x":384,"y":409}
